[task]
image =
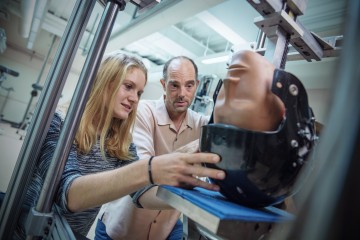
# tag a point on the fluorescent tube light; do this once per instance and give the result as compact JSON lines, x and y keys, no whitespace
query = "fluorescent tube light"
{"x":215,"y":59}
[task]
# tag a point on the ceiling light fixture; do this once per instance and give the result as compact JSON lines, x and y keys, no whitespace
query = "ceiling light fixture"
{"x":226,"y":56}
{"x":217,"y":59}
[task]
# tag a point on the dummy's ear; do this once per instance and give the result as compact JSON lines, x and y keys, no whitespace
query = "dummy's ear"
{"x":197,"y":82}
{"x":163,"y":83}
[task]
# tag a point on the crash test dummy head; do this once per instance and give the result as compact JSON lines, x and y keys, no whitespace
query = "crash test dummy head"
{"x":263,"y":130}
{"x":245,"y":99}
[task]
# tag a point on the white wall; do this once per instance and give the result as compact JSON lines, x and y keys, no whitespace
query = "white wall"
{"x":19,"y":98}
{"x":29,"y":70}
{"x":318,"y":78}
{"x":153,"y":88}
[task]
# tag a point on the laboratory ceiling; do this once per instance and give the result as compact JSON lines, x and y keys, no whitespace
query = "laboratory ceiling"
{"x":196,"y":28}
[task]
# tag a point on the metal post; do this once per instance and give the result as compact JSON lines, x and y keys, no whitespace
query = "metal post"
{"x":77,"y":106}
{"x":5,"y":101}
{"x":22,"y":123}
{"x":15,"y":195}
{"x":38,"y":216}
{"x":277,"y":47}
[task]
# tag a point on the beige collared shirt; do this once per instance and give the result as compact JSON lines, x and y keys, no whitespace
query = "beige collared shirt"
{"x":154,"y":134}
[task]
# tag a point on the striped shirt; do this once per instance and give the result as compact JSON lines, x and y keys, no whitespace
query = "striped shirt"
{"x":77,"y":165}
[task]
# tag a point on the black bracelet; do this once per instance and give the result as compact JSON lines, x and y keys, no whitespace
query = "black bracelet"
{"x":149,"y":170}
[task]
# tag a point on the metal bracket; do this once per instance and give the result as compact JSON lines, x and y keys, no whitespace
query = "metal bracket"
{"x":121,"y":3}
{"x":39,"y":224}
{"x":141,"y":4}
{"x":331,"y":47}
{"x":266,"y":7}
{"x":194,"y":231}
{"x":300,"y":38}
{"x":278,"y":14}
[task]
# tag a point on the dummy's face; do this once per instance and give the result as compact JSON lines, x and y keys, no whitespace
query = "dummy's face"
{"x":129,"y":93}
{"x":180,"y":86}
{"x":245,"y":99}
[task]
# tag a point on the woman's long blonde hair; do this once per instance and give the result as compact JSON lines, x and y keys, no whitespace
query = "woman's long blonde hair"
{"x":115,"y":137}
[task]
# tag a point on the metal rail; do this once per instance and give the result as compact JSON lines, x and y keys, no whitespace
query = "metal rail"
{"x":15,"y":195}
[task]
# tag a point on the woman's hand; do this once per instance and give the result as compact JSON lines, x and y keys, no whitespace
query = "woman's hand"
{"x":179,"y":169}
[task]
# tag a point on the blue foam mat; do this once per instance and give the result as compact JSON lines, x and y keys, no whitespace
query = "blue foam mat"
{"x":216,"y":204}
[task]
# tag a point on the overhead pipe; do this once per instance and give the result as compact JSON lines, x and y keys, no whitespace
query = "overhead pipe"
{"x":36,"y":22}
{"x":27,"y":13}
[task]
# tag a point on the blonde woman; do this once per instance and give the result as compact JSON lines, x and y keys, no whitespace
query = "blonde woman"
{"x":102,"y":165}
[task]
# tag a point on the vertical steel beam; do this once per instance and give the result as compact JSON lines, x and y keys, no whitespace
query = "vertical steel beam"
{"x":77,"y":106}
{"x":15,"y":195}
